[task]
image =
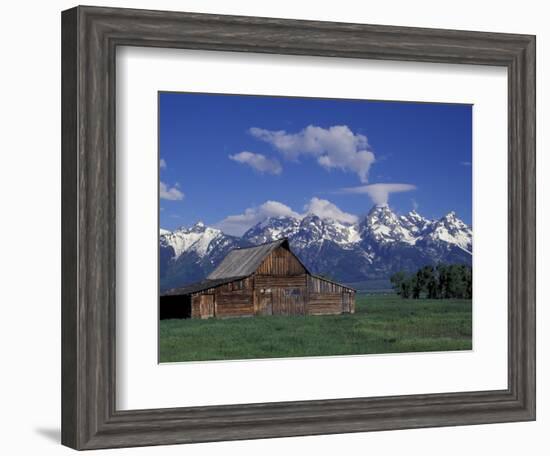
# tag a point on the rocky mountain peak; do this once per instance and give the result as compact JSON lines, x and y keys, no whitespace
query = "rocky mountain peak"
{"x":451,"y":219}
{"x":382,"y":225}
{"x":381,"y":243}
{"x":451,"y":230}
{"x":199,"y":226}
{"x":415,"y":216}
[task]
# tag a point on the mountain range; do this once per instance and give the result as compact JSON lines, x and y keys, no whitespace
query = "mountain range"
{"x":380,"y":244}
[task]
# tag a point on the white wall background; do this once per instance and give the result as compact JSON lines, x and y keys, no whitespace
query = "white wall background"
{"x":30,"y":225}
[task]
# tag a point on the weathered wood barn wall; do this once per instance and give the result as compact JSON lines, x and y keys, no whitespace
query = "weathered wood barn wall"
{"x":263,"y":280}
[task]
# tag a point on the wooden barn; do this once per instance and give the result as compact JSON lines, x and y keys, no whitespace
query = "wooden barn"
{"x":263,"y":280}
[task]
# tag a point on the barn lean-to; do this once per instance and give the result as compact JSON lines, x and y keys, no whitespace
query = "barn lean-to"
{"x":263,"y":280}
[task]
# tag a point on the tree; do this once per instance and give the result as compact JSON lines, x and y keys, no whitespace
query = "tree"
{"x":418,"y":284}
{"x":442,"y":282}
{"x":406,"y":288}
{"x":397,"y":280}
{"x":468,"y":279}
{"x":401,"y":284}
{"x":430,"y":282}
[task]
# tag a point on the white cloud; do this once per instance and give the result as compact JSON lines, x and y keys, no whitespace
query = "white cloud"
{"x":237,"y":224}
{"x":325,"y":209}
{"x":170,"y":193}
{"x":258,"y":161}
{"x":162,"y":163}
{"x":380,"y":193}
{"x":334,"y":147}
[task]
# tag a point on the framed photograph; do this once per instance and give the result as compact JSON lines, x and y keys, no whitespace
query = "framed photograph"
{"x":279,"y":228}
{"x":305,"y":227}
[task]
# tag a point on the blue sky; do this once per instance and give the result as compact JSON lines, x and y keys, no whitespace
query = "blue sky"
{"x":229,"y":160}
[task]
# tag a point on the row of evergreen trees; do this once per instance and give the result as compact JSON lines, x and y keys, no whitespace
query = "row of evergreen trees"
{"x":440,"y":282}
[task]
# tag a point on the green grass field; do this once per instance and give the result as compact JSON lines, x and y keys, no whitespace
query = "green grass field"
{"x":381,"y":324}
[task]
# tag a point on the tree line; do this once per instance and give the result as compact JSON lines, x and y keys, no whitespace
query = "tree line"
{"x":441,"y":282}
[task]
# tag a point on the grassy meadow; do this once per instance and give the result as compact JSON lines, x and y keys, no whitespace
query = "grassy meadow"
{"x":381,"y":324}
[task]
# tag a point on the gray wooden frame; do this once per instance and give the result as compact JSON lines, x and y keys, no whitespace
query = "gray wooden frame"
{"x":90,"y":36}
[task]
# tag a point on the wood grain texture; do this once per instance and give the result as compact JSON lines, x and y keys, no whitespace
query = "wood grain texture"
{"x":69,"y":229}
{"x":89,"y":40}
{"x":279,"y":285}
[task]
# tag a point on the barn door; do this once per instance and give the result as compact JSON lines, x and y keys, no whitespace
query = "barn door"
{"x":346,"y":303}
{"x":207,"y":306}
{"x":266,"y":302}
{"x":296,"y":302}
{"x":289,"y":301}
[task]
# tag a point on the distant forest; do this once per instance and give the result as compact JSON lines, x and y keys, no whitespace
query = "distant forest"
{"x":440,"y":282}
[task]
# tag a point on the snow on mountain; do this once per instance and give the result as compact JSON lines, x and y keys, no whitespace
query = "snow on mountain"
{"x":382,"y":225}
{"x":197,"y":239}
{"x":414,"y":222}
{"x":451,"y":230}
{"x":375,"y":247}
{"x":190,"y":254}
{"x":315,"y":229}
{"x":302,"y":232}
{"x":273,"y":228}
{"x":163,"y":231}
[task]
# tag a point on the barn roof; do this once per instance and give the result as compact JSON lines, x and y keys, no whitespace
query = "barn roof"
{"x":237,"y":265}
{"x":343,"y":285}
{"x":245,"y":261}
{"x":199,"y":286}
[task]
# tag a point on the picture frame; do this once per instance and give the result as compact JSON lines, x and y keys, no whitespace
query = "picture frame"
{"x":90,"y":36}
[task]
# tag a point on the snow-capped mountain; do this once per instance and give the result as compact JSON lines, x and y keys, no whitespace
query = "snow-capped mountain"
{"x":198,"y":238}
{"x":303,"y":232}
{"x":381,"y":243}
{"x":190,"y":254}
{"x":273,"y":228}
{"x":414,"y":222}
{"x":449,"y":229}
{"x":382,"y":225}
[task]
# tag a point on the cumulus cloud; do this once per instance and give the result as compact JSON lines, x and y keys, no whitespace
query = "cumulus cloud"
{"x":334,"y":147}
{"x":236,"y":225}
{"x":326,"y":210}
{"x":170,"y":193}
{"x":259,"y":162}
{"x":379,"y":193}
{"x":162,"y":163}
